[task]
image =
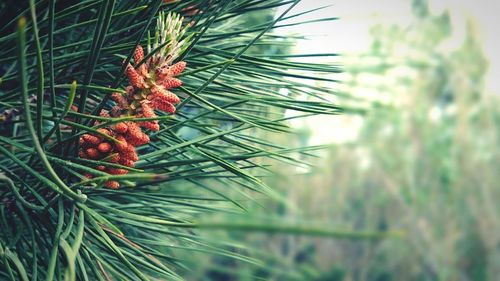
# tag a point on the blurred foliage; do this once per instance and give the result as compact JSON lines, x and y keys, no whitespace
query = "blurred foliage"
{"x":426,"y":163}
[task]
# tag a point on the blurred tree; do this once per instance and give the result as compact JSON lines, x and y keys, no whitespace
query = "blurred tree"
{"x":425,"y":162}
{"x":420,"y":157}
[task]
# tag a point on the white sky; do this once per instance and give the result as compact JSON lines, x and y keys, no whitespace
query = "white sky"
{"x":350,"y":35}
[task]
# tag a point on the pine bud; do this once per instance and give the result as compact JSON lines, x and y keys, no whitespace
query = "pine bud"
{"x":120,"y":100}
{"x":129,"y":154}
{"x":177,"y":68}
{"x":147,"y":111}
{"x":121,"y":127}
{"x":92,"y":153}
{"x":104,"y":131}
{"x":135,"y":136}
{"x":104,"y":147}
{"x":138,"y":57}
{"x":169,"y":82}
{"x":151,"y":125}
{"x":135,"y":79}
{"x":138,"y":54}
{"x":115,"y":171}
{"x":163,"y":106}
{"x":168,"y":96}
{"x":112,"y":184}
{"x":91,"y":139}
{"x":122,"y":144}
{"x":127,"y":162}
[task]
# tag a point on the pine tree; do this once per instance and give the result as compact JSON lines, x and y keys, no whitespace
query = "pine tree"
{"x":125,"y":121}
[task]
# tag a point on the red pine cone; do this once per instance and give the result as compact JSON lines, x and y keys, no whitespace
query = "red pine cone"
{"x":121,"y":127}
{"x":122,"y":144}
{"x":138,"y":57}
{"x":135,"y":136}
{"x":163,"y":106}
{"x":136,"y":80}
{"x":150,"y":125}
{"x":104,"y":147}
{"x":91,"y":139}
{"x":177,"y":68}
{"x":170,"y":82}
{"x":172,"y":70}
{"x":115,"y":171}
{"x":127,"y":162}
{"x":138,"y":54}
{"x":120,"y":100}
{"x":104,"y":131}
{"x":112,"y":184}
{"x":129,"y":154}
{"x":93,"y":153}
{"x":158,"y":92}
{"x":147,"y":111}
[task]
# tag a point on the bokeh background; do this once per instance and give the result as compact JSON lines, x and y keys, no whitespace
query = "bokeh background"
{"x":416,"y":151}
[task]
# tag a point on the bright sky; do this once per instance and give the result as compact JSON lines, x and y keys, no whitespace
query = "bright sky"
{"x":350,"y":35}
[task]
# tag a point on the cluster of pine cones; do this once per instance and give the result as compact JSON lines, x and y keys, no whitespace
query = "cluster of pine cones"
{"x":150,"y":82}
